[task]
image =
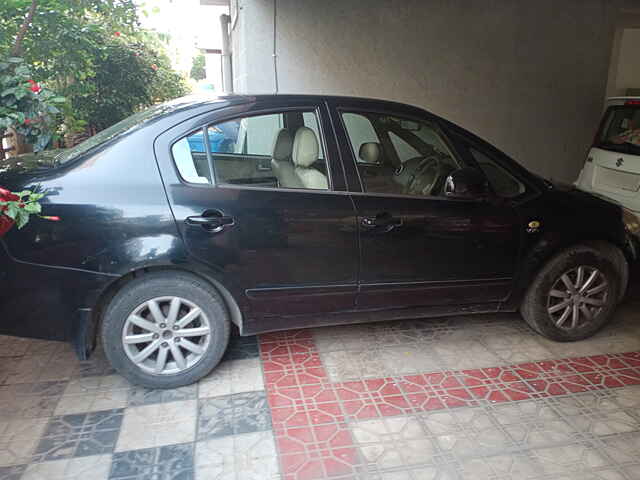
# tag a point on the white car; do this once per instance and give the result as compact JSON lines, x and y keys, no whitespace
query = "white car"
{"x":612,"y":168}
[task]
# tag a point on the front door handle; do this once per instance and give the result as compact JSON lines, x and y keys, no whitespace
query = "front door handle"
{"x":381,"y":221}
{"x":212,"y":220}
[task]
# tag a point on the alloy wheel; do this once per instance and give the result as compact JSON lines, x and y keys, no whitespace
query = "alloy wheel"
{"x":577,"y":297}
{"x":166,"y":335}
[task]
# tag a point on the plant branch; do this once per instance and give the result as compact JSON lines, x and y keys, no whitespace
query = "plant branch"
{"x":17,"y":47}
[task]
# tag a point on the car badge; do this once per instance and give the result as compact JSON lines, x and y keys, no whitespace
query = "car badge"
{"x":533,"y":226}
{"x":619,"y":162}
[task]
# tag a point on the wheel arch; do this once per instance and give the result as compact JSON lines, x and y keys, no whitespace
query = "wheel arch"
{"x":87,"y":343}
{"x":540,"y":252}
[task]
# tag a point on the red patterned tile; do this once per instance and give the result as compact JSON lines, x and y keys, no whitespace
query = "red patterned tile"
{"x":631,"y":358}
{"x":308,"y":411}
{"x":629,"y":376}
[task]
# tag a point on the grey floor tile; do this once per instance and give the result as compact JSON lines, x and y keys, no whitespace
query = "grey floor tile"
{"x":169,"y":462}
{"x":79,"y":435}
{"x":467,"y":431}
{"x":234,"y":376}
{"x":574,"y":459}
{"x":89,"y":394}
{"x":249,"y":456}
{"x":96,"y":365}
{"x":508,"y":466}
{"x":145,"y":396}
{"x":30,"y":400}
{"x":535,"y":424}
{"x":58,"y":366}
{"x":13,"y":346}
{"x":622,"y":449}
{"x":19,"y":438}
{"x":94,"y":467}
{"x":393,"y":442}
{"x":12,"y":473}
{"x":158,"y":424}
{"x":233,"y":414}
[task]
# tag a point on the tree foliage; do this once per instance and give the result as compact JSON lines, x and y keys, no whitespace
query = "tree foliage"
{"x":92,"y":52}
{"x":27,"y":107}
{"x":198,"y":71}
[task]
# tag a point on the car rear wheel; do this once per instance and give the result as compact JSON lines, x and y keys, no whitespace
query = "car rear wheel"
{"x":575,"y":293}
{"x":165,"y":330}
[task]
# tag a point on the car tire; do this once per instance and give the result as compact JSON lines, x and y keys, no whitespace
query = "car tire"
{"x":545,"y":304}
{"x":142,"y":302}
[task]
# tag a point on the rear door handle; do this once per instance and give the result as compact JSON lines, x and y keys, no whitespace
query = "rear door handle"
{"x":212,"y":221}
{"x":381,"y":220}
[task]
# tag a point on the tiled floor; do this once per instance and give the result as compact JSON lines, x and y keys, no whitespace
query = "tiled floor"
{"x":459,"y":398}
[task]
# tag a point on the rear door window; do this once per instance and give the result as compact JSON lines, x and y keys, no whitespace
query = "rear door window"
{"x":241,"y":153}
{"x":621,"y":130}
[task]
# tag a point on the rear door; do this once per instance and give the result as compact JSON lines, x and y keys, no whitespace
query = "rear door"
{"x":419,"y":248}
{"x":285,"y":250}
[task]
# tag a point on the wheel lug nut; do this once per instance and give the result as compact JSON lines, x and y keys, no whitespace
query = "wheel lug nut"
{"x":177,"y":339}
{"x":165,"y":344}
{"x":155,"y":335}
{"x":163,"y":325}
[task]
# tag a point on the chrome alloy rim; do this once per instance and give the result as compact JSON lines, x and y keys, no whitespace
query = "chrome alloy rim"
{"x":577,"y":297}
{"x":166,"y":335}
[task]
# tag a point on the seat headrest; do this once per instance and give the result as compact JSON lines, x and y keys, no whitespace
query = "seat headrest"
{"x":282,"y":145}
{"x":370,"y":152}
{"x":305,"y":147}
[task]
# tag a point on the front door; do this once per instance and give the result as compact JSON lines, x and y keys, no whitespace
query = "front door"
{"x":290,"y":248}
{"x":419,"y":248}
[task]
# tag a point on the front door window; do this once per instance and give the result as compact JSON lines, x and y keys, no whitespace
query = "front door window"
{"x":398,"y":156}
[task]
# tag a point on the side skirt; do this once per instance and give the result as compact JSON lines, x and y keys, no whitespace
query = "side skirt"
{"x":274,"y":323}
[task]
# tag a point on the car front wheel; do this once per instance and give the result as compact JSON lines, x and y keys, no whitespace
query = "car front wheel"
{"x":165,"y":330}
{"x":575,"y":293}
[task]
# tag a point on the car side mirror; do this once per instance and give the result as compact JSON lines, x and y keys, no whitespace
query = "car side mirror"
{"x":466,"y":183}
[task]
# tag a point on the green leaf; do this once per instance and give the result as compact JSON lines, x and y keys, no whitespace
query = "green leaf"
{"x":21,"y":219}
{"x":33,"y":207}
{"x":15,"y":60}
{"x":12,"y":210}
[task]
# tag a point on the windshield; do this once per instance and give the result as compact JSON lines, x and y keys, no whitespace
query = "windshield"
{"x":124,"y":126}
{"x":621,"y":130}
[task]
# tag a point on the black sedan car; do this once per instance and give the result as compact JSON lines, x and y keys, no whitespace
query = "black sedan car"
{"x":273,"y":212}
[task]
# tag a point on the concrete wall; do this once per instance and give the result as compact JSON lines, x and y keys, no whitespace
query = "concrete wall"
{"x":529,"y":76}
{"x":628,"y":74}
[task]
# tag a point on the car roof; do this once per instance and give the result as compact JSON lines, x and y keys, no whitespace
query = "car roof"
{"x":240,"y":98}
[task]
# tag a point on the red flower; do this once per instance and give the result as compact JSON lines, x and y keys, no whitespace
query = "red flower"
{"x":52,"y":218}
{"x":154,"y":67}
{"x":5,"y":224}
{"x":117,"y":34}
{"x":35,"y":88}
{"x":27,"y":121}
{"x":7,"y":196}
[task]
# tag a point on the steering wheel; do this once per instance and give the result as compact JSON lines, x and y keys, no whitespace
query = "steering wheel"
{"x":424,"y":177}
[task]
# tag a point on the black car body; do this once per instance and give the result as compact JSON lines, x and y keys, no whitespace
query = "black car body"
{"x":281,"y":257}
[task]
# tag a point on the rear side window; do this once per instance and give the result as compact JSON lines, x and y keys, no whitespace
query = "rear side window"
{"x":621,"y":130}
{"x":242,"y":151}
{"x":191,"y":159}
